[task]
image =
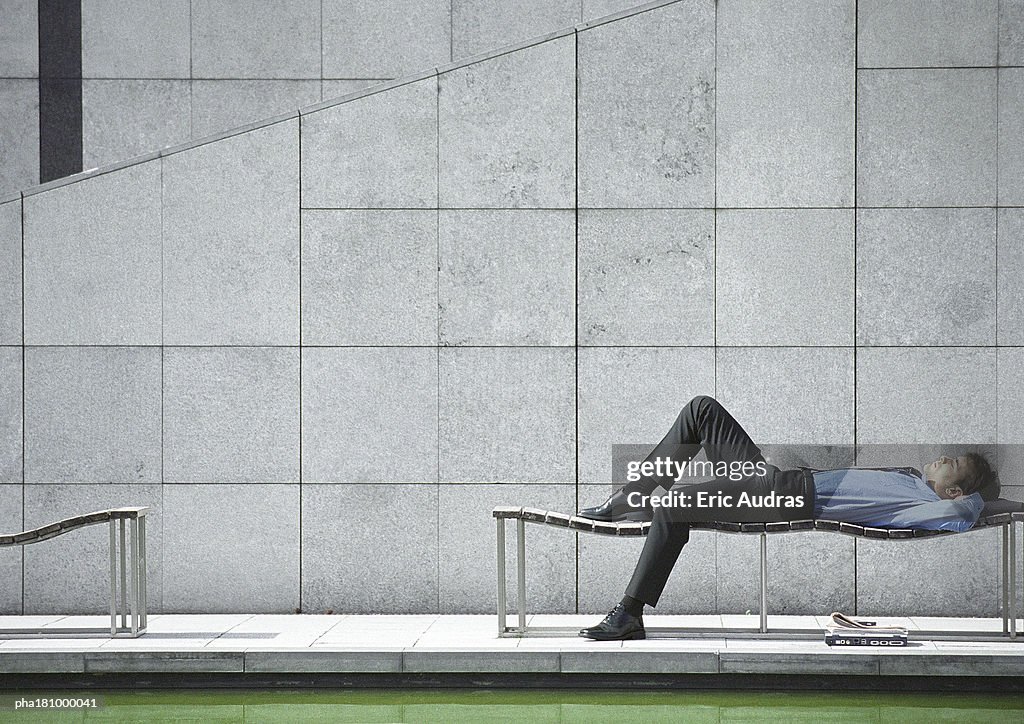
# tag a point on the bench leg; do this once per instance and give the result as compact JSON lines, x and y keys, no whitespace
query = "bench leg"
{"x":521,"y":570}
{"x":764,"y":583}
{"x":1012,"y":584}
{"x":113,"y":579}
{"x":134,"y":578}
{"x":143,"y":600}
{"x":502,"y":600}
{"x":124,"y":578}
{"x":1004,"y":570}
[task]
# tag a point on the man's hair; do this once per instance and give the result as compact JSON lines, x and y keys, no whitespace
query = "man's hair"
{"x":984,"y":479}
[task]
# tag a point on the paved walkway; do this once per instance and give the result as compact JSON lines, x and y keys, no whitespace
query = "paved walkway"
{"x":382,"y":644}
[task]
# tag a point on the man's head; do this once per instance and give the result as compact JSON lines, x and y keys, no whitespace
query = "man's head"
{"x":969,"y":473}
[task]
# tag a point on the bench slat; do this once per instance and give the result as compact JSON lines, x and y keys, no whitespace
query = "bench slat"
{"x":634,"y":528}
{"x":52,"y":530}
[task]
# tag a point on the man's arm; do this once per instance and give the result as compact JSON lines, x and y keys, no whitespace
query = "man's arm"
{"x":956,"y":515}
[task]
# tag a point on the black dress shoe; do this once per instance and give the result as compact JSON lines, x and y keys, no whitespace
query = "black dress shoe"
{"x":618,"y":625}
{"x":617,"y":508}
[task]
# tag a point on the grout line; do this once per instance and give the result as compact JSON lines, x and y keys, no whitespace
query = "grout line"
{"x":709,"y":345}
{"x":24,"y":454}
{"x":437,"y":327}
{"x":714,"y":245}
{"x":576,"y":293}
{"x":714,"y":271}
{"x":856,"y":108}
{"x":299,"y":127}
{"x":321,"y":54}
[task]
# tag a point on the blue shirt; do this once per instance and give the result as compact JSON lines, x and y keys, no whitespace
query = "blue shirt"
{"x":890,"y":499}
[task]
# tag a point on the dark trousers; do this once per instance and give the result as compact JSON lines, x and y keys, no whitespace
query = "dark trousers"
{"x":705,"y":423}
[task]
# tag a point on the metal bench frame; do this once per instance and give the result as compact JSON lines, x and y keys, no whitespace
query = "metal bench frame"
{"x":572,"y":523}
{"x":132,"y":534}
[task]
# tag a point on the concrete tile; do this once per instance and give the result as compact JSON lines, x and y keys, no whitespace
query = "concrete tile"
{"x":391,"y":39}
{"x":44,"y":647}
{"x":19,"y":621}
{"x":337,"y":88}
{"x":648,"y":143}
{"x":951,"y":664}
{"x":757,"y":662}
{"x":638,"y":268}
{"x":506,"y":277}
{"x":1010,"y":391}
{"x":926,"y":33}
{"x":1009,"y":268}
{"x":19,"y":39}
{"x":198,"y":624}
{"x":926,"y":276}
{"x":164,"y":661}
{"x":919,"y":454}
{"x":10,"y":273}
{"x":506,"y":415}
{"x":10,"y":557}
{"x":1011,"y":32}
{"x":135,"y":40}
{"x":632,"y":396}
{"x":479,"y":26}
{"x":352,"y":398}
{"x":785,"y":277}
{"x":71,"y":574}
{"x":808,"y":573}
{"x":378,"y":151}
{"x":231,"y":237}
{"x":126,"y":118}
{"x":949,"y":623}
{"x":43,"y":662}
{"x":11,"y":422}
{"x":221,"y":104}
{"x":92,"y":414}
{"x":1011,"y":136}
{"x":640,"y":662}
{"x":949,"y":574}
{"x":507,"y":130}
{"x":784,"y":68}
{"x":323,"y":661}
{"x":606,"y":565}
{"x":422,"y":660}
{"x":926,"y":395}
{"x":593,"y":9}
{"x":231,"y":415}
{"x":926,"y":137}
{"x":369,"y":277}
{"x":19,"y":134}
{"x":92,"y":260}
{"x":1009,"y":458}
{"x":268,"y":40}
{"x":211,"y":557}
{"x":369,"y":548}
{"x":789,"y":395}
{"x":468,"y":572}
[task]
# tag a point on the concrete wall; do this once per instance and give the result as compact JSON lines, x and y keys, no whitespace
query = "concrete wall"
{"x":324,"y":349}
{"x":161,"y":73}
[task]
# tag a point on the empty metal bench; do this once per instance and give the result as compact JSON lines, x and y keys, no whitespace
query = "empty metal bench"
{"x":572,"y":523}
{"x":132,"y":533}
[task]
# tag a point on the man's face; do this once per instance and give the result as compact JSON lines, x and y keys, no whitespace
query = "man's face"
{"x":948,"y":476}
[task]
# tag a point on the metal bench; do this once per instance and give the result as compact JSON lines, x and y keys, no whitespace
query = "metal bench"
{"x":574,"y":523}
{"x":132,"y":577}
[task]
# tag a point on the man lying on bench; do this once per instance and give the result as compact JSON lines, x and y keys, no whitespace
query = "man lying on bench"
{"x":948,"y":496}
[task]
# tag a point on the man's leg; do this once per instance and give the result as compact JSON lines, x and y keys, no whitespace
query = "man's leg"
{"x":703,"y":423}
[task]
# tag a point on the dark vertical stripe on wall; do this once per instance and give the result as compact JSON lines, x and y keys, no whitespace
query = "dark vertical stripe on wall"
{"x":60,"y":88}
